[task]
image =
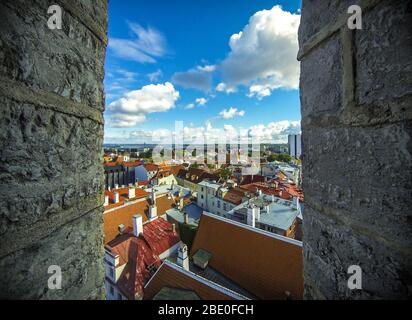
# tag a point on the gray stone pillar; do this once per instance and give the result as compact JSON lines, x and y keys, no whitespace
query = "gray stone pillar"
{"x":52,"y":99}
{"x":356,"y":97}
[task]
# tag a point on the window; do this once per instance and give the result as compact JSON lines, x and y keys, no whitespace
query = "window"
{"x":201,"y":196}
{"x":224,"y":206}
{"x":111,"y":272}
{"x":119,"y":296}
{"x":111,"y":290}
{"x":218,"y":204}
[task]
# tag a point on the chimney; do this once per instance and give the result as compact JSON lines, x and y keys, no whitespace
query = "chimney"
{"x":252,"y":212}
{"x":109,"y":188}
{"x":181,"y":203}
{"x":186,"y":218}
{"x":273,"y":198}
{"x":137,"y":225}
{"x":259,"y":192}
{"x":153,"y":196}
{"x":121,"y":228}
{"x":182,"y":257}
{"x":116,"y":197}
{"x":132,"y":193}
{"x":152,"y":212}
{"x":106,"y":200}
{"x":116,"y":186}
{"x":173,"y":228}
{"x":295,"y":203}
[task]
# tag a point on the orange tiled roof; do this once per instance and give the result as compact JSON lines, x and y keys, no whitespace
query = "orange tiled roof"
{"x":123,"y":195}
{"x":262,"y":264}
{"x":170,"y":277}
{"x":151,"y":167}
{"x":124,"y":215}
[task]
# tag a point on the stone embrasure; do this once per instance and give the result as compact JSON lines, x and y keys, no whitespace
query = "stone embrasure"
{"x":356,"y":97}
{"x":51,"y":138}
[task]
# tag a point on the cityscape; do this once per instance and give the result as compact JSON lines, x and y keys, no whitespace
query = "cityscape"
{"x":198,"y":158}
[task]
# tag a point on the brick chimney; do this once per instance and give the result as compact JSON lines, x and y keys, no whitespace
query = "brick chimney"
{"x":106,"y":200}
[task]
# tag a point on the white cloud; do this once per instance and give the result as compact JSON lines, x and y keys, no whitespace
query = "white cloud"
{"x":124,"y":120}
{"x":155,"y":76}
{"x":207,"y":68}
{"x":201,"y":101}
{"x":148,"y":45}
{"x":231,"y":112}
{"x":263,"y":54}
{"x":190,"y":106}
{"x":274,"y":132}
{"x":223,"y":87}
{"x":135,"y":104}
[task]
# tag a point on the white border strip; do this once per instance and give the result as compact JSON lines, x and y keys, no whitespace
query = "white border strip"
{"x":246,"y":226}
{"x":217,"y":287}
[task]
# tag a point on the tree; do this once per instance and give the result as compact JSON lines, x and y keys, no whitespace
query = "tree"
{"x":282,"y":157}
{"x":225,"y":174}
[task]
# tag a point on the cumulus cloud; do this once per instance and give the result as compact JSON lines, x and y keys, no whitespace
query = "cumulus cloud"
{"x":274,"y":132}
{"x":134,"y":105}
{"x":201,"y":101}
{"x":147,"y":45}
{"x":263,"y":54}
{"x":190,"y":106}
{"x":231,"y":112}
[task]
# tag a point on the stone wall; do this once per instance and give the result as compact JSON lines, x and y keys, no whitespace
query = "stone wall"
{"x":52,"y":99}
{"x":356,"y":97}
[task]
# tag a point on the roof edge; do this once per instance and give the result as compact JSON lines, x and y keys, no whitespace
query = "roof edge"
{"x":263,"y":232}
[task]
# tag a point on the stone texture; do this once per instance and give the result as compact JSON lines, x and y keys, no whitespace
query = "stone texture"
{"x":383,"y":54}
{"x":51,"y":139}
{"x":68,"y":62}
{"x":321,"y":89}
{"x":357,"y":150}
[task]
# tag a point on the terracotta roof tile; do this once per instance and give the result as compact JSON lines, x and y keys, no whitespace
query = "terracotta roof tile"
{"x":258,"y":261}
{"x":140,"y":253}
{"x":124,"y":215}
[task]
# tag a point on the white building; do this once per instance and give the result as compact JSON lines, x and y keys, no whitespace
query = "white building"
{"x":295,"y":145}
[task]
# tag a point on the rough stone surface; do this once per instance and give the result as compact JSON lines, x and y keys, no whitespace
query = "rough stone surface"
{"x":357,"y":150}
{"x":51,"y":175}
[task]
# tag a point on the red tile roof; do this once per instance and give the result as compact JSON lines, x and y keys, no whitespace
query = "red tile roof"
{"x":124,"y":215}
{"x":151,"y":167}
{"x":140,"y":253}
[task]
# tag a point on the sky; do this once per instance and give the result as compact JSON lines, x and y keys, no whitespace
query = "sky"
{"x":221,"y":68}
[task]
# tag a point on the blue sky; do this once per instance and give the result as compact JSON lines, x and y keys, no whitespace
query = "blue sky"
{"x":215,"y":65}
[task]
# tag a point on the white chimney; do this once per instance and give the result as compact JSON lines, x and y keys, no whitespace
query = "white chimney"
{"x":295,"y":203}
{"x":132,"y":193}
{"x":182,"y":257}
{"x":106,"y":200}
{"x":137,"y":224}
{"x":116,"y":197}
{"x":152,"y":212}
{"x":260,"y":192}
{"x":186,"y":217}
{"x":273,"y":198}
{"x":153,"y":196}
{"x":109,"y":188}
{"x":252,"y":212}
{"x":121,"y":228}
{"x":116,"y":186}
{"x":181,"y":203}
